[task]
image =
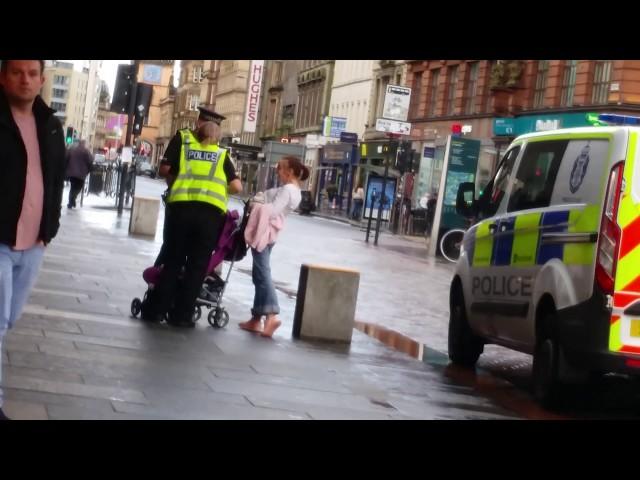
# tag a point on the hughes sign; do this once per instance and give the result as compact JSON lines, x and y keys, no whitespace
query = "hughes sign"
{"x":253,"y":95}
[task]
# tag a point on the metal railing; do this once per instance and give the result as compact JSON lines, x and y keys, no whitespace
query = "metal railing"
{"x":104,"y":179}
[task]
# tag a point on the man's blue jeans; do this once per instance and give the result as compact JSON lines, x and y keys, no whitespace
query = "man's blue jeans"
{"x":265,"y":300}
{"x":18,"y":272}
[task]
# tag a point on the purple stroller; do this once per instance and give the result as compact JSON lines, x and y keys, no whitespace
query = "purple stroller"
{"x":232,"y":248}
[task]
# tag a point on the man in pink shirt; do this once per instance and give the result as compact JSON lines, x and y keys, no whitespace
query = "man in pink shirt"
{"x":32,"y":158}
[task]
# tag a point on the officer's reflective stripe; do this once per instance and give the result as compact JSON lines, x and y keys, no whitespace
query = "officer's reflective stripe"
{"x":615,"y":344}
{"x":483,"y":245}
{"x":209,"y":178}
{"x":525,"y":243}
{"x":202,"y":178}
{"x":552,"y":222}
{"x":181,"y":193}
{"x":582,"y":221}
{"x":206,"y":165}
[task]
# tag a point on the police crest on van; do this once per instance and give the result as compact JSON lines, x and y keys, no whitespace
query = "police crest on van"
{"x":579,"y":170}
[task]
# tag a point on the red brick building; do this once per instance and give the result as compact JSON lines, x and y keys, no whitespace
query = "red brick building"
{"x":496,"y":100}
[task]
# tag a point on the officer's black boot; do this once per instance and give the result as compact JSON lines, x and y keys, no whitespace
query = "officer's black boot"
{"x":149,"y":314}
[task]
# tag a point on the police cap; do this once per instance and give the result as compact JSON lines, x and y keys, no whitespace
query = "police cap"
{"x":208,"y":115}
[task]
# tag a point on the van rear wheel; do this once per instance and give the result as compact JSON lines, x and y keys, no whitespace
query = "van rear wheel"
{"x":545,"y":372}
{"x":465,"y":347}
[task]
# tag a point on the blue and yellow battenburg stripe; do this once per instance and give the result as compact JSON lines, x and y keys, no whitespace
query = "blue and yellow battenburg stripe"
{"x":517,"y":241}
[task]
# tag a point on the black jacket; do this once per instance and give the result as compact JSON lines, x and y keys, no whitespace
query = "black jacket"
{"x":13,"y":170}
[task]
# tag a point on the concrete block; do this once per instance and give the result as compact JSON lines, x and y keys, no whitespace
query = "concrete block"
{"x":144,"y":215}
{"x":326,"y":303}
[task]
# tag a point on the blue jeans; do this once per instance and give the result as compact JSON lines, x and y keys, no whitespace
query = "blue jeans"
{"x":357,"y":209}
{"x":265,"y":301}
{"x":18,"y":272}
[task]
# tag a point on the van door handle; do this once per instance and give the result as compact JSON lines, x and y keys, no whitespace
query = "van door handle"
{"x":493,"y":227}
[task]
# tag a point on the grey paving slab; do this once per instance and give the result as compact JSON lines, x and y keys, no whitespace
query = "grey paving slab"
{"x":13,"y":344}
{"x":322,"y":413}
{"x":151,"y":379}
{"x":20,"y":329}
{"x":17,"y":410}
{"x":191,"y":400}
{"x":41,"y":373}
{"x":291,"y":394}
{"x":60,"y":412}
{"x":49,"y":324}
{"x":81,"y":366}
{"x":278,"y":380}
{"x":81,"y":390}
{"x":110,"y":342}
{"x":43,"y":398}
{"x":221,"y":411}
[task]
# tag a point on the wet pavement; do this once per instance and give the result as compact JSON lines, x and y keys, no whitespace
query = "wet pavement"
{"x":77,"y":354}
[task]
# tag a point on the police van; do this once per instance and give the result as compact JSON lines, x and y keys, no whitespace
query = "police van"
{"x":552,"y":265}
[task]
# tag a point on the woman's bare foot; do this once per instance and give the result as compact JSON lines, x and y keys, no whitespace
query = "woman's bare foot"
{"x":270,"y":326}
{"x":253,"y":325}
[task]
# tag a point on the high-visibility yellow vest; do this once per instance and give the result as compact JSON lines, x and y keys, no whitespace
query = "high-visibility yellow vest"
{"x":201,"y":177}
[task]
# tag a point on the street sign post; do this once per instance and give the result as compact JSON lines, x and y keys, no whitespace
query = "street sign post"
{"x":393,"y":126}
{"x":394,"y":123}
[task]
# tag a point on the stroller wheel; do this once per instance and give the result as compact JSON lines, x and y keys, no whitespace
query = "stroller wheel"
{"x":218,"y":318}
{"x":136,"y":307}
{"x":197,"y":313}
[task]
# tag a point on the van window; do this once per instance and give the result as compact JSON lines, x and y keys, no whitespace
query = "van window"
{"x":534,"y":182}
{"x":582,"y":169}
{"x":495,"y":190}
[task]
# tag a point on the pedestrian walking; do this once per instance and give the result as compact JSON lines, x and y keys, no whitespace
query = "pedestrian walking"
{"x":358,"y":201}
{"x":79,"y":162}
{"x":31,"y":185}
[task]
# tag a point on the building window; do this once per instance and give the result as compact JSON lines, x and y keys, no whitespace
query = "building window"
{"x":381,"y":94}
{"x":415,"y":93}
{"x":472,"y":87}
{"x":541,"y":83}
{"x":568,"y":83}
{"x":451,"y":90}
{"x":277,"y":73}
{"x":58,"y":93}
{"x":60,"y":107}
{"x":194,"y":101}
{"x":433,"y":92}
{"x":198,"y":74}
{"x":601,"y":81}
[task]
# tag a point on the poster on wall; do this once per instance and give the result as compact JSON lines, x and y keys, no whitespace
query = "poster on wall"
{"x":460,"y":165}
{"x":373,"y":197}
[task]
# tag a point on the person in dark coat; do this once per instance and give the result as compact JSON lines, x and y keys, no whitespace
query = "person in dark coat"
{"x":31,"y":185}
{"x":79,"y":161}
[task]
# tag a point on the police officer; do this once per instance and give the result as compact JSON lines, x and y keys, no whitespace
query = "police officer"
{"x":201,"y":175}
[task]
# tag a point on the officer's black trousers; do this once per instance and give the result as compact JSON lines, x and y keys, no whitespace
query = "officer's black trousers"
{"x":192,"y":232}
